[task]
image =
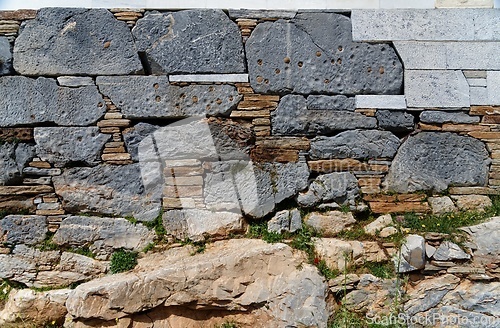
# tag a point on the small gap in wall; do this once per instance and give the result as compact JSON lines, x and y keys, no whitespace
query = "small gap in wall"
{"x":145,"y":63}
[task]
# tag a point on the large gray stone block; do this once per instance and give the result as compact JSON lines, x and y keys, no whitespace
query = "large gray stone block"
{"x":190,"y":41}
{"x":102,"y":235}
{"x":358,"y":144}
{"x":109,"y":190}
{"x":13,"y":158}
{"x":339,"y":187}
{"x":436,"y":161}
{"x":292,"y":117}
{"x":26,"y":101}
{"x":314,"y":53}
{"x":61,"y":146}
{"x":436,"y":88}
{"x":154,"y":97}
{"x":71,"y":41}
{"x":426,"y":25}
{"x":5,"y":56}
{"x":23,"y":229}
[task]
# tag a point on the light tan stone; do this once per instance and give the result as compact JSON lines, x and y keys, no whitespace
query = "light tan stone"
{"x":122,"y":123}
{"x":472,"y":202}
{"x":377,"y":225}
{"x":24,"y":190}
{"x":116,"y":157}
{"x":464,"y":3}
{"x":329,"y":223}
{"x":473,"y":191}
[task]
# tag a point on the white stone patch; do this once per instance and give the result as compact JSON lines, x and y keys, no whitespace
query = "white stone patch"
{"x":478,"y":95}
{"x":230,"y":78}
{"x":464,"y":3}
{"x":493,"y":83}
{"x":395,"y":4}
{"x":436,"y":88}
{"x":381,"y":101}
{"x":477,"y":82}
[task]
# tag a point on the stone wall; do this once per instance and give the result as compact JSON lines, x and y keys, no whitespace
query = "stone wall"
{"x":205,"y":120}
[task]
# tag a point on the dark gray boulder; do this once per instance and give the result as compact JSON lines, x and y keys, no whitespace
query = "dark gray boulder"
{"x":5,"y":56}
{"x":190,"y":41}
{"x":358,"y":144}
{"x":436,"y":161}
{"x":26,"y":101}
{"x":13,"y":158}
{"x":395,"y":120}
{"x":72,"y":41}
{"x":23,"y":229}
{"x":314,"y":53}
{"x":339,"y":187}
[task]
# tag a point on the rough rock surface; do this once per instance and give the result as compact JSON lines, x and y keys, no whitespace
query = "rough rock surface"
{"x":339,"y":187}
{"x":52,"y":44}
{"x":330,"y":223}
{"x":102,"y":235}
{"x":37,"y":308}
{"x":486,"y":236}
{"x":196,"y":224}
{"x":25,"y":101}
{"x":472,"y":202}
{"x":23,"y":229}
{"x":449,"y":251}
{"x":322,"y":102}
{"x":61,"y":146}
{"x":435,"y":161}
{"x":293,"y":117}
{"x":412,"y":255}
{"x":430,"y":116}
{"x":232,"y":275}
{"x":154,"y":97}
{"x":298,"y":56}
{"x":113,"y":190}
{"x":134,"y":135}
{"x":5,"y":56}
{"x":380,"y":223}
{"x":395,"y":120}
{"x":208,"y":38}
{"x":358,"y":144}
{"x":441,"y":205}
{"x":285,"y":221}
{"x":13,"y":158}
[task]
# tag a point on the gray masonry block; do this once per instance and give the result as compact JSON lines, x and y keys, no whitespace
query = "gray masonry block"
{"x":449,"y":55}
{"x":493,"y":83}
{"x":477,"y":82}
{"x":381,"y":101}
{"x":478,"y":96}
{"x":426,"y":25}
{"x":436,"y":88}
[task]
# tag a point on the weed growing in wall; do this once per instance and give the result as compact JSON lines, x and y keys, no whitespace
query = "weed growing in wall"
{"x":122,"y":261}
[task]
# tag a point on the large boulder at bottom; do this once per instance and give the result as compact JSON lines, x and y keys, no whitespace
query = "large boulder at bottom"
{"x":436,"y":161}
{"x":231,"y":281}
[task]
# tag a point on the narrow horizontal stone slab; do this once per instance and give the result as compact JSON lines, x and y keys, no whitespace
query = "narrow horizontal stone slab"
{"x":476,"y":82}
{"x":74,"y":81}
{"x":440,"y":117}
{"x":381,"y":101}
{"x":230,"y":78}
{"x":396,"y":4}
{"x":449,"y":55}
{"x":464,"y":3}
{"x":250,"y":13}
{"x":426,"y":25}
{"x":437,"y":88}
{"x":24,"y":190}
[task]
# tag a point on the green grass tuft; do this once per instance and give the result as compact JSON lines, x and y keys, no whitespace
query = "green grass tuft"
{"x":122,"y":261}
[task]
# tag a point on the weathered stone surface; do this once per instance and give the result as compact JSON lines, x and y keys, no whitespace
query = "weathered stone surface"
{"x":425,"y":25}
{"x":330,"y":223}
{"x":436,"y":88}
{"x":358,"y":144}
{"x":75,"y":81}
{"x":472,"y":202}
{"x":395,"y":120}
{"x":13,"y":158}
{"x":338,"y":254}
{"x":435,"y":161}
{"x":285,"y":221}
{"x":380,"y":223}
{"x":339,"y":187}
{"x":441,"y":205}
{"x":197,"y":224}
{"x":381,"y":101}
{"x":486,"y":236}
{"x":493,"y":82}
{"x":330,"y":102}
{"x":292,"y":117}
{"x":210,"y":40}
{"x":388,"y":231}
{"x":210,"y":78}
{"x":23,"y":229}
{"x":154,"y":97}
{"x":134,"y":135}
{"x":25,"y":101}
{"x":232,"y":275}
{"x":37,"y":308}
{"x":111,"y":190}
{"x":432,"y":116}
{"x":61,"y":146}
{"x":5,"y":56}
{"x":102,"y":235}
{"x":52,"y":44}
{"x":298,"y":56}
{"x":412,"y":255}
{"x":449,"y":251}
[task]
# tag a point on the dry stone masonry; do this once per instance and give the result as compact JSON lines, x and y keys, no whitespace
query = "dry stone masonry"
{"x":132,"y":129}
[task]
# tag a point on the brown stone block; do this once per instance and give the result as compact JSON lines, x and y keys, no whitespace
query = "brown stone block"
{"x":113,"y":116}
{"x":183,"y":191}
{"x":395,"y":198}
{"x":16,"y":203}
{"x":110,"y":130}
{"x":184,"y":181}
{"x":473,"y":191}
{"x":464,"y":127}
{"x":25,"y":190}
{"x":109,"y":150}
{"x":484,"y":110}
{"x":245,"y":90}
{"x":491,"y":119}
{"x":428,"y":127}
{"x":259,"y":154}
{"x":23,"y":134}
{"x":114,"y":144}
{"x":250,"y":113}
{"x":121,"y":123}
{"x":116,"y":157}
{"x":485,"y":135}
{"x":259,"y":97}
{"x":401,"y":207}
{"x":40,"y":164}
{"x":297,"y":143}
{"x":22,"y":14}
{"x":493,"y":182}
{"x":371,"y":181}
{"x":123,"y":162}
{"x":256,"y":105}
{"x":366,"y":112}
{"x":337,"y":165}
{"x":50,"y":212}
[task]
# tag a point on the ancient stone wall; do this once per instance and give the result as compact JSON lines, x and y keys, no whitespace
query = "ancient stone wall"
{"x":206,"y":120}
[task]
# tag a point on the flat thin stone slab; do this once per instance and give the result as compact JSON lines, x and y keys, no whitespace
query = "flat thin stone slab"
{"x":436,"y":88}
{"x":63,"y":145}
{"x":222,"y":78}
{"x":464,"y":3}
{"x":426,"y":25}
{"x":74,"y":81}
{"x":449,"y":55}
{"x":298,"y":56}
{"x":435,"y":161}
{"x":190,"y":42}
{"x":381,"y":101}
{"x":25,"y":101}
{"x":5,"y":56}
{"x":252,"y":13}
{"x":440,"y":117}
{"x":52,"y":44}
{"x":154,"y":97}
{"x":322,"y":102}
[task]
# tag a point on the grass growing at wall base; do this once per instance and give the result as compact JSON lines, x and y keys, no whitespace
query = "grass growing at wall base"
{"x":122,"y":261}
